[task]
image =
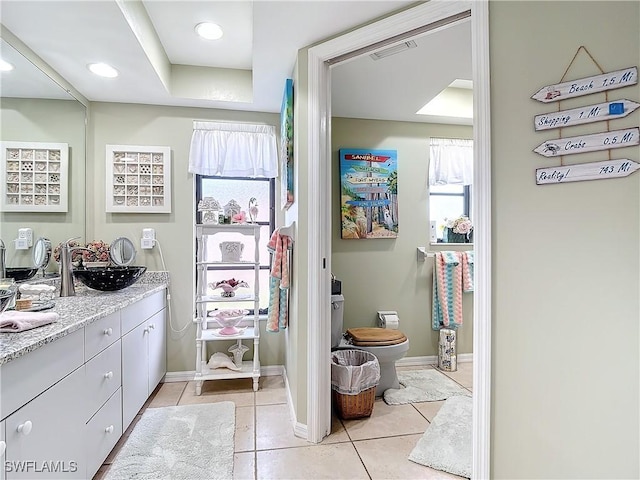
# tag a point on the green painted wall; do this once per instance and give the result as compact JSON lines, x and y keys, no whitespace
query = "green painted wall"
{"x":565,"y":326}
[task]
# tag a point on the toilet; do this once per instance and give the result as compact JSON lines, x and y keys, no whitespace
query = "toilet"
{"x":389,"y":346}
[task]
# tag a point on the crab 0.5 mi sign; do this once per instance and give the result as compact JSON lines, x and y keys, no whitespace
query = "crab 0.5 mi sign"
{"x":589,"y":143}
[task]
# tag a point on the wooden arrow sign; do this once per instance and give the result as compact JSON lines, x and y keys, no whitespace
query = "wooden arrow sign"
{"x":586,"y":171}
{"x":587,"y":114}
{"x":585,"y":86}
{"x":589,"y":143}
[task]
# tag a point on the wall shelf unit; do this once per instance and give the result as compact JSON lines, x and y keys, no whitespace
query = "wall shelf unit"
{"x":207,"y":328}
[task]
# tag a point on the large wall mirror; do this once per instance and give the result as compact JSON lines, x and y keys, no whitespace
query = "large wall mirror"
{"x":34,"y":108}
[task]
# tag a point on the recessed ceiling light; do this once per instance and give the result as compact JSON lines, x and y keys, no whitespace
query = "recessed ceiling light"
{"x":210,"y":31}
{"x":103,"y":70}
{"x":5,"y":66}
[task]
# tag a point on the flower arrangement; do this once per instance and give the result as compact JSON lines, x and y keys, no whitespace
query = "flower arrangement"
{"x":76,"y":256}
{"x":459,"y":230}
{"x":228,"y":287}
{"x":99,"y":252}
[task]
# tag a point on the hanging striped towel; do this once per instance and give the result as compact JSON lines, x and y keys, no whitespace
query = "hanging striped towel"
{"x":467,"y":271}
{"x":447,"y":290}
{"x":278,"y":315}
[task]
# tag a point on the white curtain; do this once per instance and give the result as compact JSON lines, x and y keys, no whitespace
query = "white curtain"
{"x":450,"y":161}
{"x":233,"y":150}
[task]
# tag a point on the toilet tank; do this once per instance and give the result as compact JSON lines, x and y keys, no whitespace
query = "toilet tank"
{"x":337,"y":312}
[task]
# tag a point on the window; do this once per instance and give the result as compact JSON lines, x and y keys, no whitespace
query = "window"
{"x":241,"y":189}
{"x":450,"y":179}
{"x":447,"y":202}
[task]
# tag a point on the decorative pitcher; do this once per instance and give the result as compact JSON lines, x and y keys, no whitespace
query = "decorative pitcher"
{"x":231,"y":251}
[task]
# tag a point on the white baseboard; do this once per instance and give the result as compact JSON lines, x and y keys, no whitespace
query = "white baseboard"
{"x":268,"y":371}
{"x":430,"y":360}
{"x":299,"y":429}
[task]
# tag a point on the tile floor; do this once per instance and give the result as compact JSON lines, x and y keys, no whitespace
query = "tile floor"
{"x":266,"y":448}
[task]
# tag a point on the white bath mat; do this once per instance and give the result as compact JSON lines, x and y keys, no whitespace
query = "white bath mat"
{"x":447,"y":443}
{"x":427,"y":385}
{"x":185,"y":442}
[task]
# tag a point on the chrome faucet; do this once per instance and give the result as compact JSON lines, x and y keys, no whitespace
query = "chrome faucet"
{"x":67,"y":288}
{"x":3,"y":268}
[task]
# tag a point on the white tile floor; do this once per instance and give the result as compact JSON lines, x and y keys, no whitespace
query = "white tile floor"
{"x":266,"y":448}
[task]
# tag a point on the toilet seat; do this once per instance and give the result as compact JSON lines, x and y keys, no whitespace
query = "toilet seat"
{"x":375,"y":337}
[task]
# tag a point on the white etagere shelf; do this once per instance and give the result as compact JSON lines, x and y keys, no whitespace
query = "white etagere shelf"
{"x":207,"y":328}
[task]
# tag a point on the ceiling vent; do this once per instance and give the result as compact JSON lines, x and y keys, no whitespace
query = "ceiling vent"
{"x":401,"y":47}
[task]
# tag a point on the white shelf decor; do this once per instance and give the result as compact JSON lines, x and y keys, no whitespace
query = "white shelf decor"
{"x":138,"y":179}
{"x":34,"y":177}
{"x":207,"y":331}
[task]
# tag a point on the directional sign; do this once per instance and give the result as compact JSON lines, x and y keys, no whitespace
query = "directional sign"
{"x":368,"y":203}
{"x":585,"y":86}
{"x":357,"y":180}
{"x":589,"y":143}
{"x":586,"y":171}
{"x":587,"y":114}
{"x":370,"y":189}
{"x":359,"y":168}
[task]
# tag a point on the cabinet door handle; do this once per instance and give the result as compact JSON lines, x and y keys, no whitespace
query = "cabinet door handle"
{"x":108,"y":375}
{"x":3,"y":447}
{"x":108,"y":331}
{"x":109,"y":429}
{"x":25,"y":427}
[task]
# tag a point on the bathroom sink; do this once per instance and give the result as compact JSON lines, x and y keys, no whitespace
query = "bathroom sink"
{"x":20,"y":274}
{"x":110,"y":278}
{"x":6,"y":295}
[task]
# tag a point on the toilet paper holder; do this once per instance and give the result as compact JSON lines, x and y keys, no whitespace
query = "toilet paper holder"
{"x":382,"y":321}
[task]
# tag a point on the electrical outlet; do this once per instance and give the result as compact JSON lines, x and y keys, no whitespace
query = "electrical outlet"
{"x":26,"y":234}
{"x":148,"y":239}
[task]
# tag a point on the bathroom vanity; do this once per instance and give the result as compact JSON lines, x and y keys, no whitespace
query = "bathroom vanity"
{"x":70,"y":389}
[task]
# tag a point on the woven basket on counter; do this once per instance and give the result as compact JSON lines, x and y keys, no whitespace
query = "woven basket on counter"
{"x":354,"y":406}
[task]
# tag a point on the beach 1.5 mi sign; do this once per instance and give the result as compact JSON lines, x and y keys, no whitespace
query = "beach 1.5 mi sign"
{"x":585,"y":86}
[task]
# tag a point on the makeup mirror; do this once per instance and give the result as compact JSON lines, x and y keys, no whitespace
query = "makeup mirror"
{"x":41,"y":254}
{"x":122,"y":252}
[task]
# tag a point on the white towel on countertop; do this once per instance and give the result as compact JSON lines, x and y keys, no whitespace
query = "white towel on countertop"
{"x":14,"y":321}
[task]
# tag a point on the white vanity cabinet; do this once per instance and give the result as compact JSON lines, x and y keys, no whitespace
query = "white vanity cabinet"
{"x":63,"y":407}
{"x":144,"y":360}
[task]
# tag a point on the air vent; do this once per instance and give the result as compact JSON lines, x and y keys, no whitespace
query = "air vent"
{"x":401,"y":47}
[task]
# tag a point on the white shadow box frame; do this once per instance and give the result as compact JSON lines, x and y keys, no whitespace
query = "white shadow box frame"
{"x":34,"y":177}
{"x":138,"y":179}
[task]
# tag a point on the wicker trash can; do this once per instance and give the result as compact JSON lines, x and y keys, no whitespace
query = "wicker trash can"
{"x":355,"y":374}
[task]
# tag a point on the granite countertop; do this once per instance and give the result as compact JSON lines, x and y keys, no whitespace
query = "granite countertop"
{"x":75,"y":312}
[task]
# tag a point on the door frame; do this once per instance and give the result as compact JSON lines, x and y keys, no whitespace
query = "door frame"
{"x":318,"y":183}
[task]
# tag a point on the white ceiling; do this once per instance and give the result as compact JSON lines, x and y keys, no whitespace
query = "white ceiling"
{"x":148,"y":43}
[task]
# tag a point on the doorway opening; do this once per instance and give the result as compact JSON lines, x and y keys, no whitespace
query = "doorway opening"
{"x":319,"y":206}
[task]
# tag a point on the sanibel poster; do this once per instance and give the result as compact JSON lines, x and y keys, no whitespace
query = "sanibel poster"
{"x":369,"y":193}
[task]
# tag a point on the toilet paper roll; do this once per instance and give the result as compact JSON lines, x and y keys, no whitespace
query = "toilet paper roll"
{"x":391,"y":322}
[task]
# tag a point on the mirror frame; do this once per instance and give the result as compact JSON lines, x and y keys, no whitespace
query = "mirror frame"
{"x":122,"y":252}
{"x":41,"y":253}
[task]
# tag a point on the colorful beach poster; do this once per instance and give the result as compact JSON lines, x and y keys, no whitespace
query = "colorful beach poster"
{"x":368,"y":193}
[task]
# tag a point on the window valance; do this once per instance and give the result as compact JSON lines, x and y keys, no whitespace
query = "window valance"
{"x":450,"y":161}
{"x":233,"y":150}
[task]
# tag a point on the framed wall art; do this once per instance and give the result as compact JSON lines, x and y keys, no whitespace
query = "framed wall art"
{"x":138,"y":179}
{"x":286,"y":145}
{"x":369,"y":193}
{"x":34,"y":177}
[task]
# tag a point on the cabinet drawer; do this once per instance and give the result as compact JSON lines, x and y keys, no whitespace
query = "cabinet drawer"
{"x":100,"y":334}
{"x":132,"y":315}
{"x":102,"y":432}
{"x":48,"y":432}
{"x":103,"y":377}
{"x":29,"y":375}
